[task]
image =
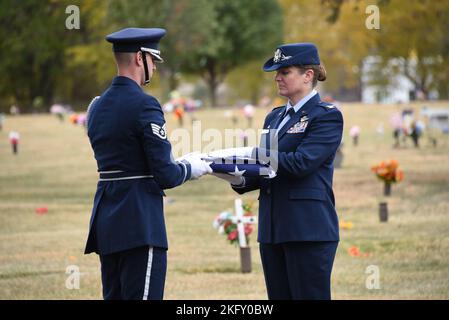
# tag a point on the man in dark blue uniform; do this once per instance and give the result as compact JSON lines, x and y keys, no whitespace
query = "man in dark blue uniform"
{"x":127,"y":131}
{"x":298,"y":224}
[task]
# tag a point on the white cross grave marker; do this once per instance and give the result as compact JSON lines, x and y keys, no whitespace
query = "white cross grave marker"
{"x":240,"y":220}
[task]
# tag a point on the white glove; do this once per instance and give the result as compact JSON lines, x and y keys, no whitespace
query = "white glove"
{"x":229,"y":178}
{"x":198,"y":166}
{"x":245,"y":152}
{"x":188,"y":155}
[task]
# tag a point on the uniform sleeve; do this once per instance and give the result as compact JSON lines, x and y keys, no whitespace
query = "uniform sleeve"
{"x":251,"y":183}
{"x":323,"y":139}
{"x":248,"y":184}
{"x":167,"y":173}
{"x":89,"y":109}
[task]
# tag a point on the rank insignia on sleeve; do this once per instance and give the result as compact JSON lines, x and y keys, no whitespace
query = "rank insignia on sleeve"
{"x":159,"y":131}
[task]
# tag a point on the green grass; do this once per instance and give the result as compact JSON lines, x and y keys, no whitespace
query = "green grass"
{"x":55,"y":168}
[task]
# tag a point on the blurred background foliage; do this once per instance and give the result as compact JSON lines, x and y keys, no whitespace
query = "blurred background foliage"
{"x":211,"y":43}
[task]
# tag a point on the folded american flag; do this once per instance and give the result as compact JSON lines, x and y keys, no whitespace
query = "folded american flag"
{"x":238,"y":166}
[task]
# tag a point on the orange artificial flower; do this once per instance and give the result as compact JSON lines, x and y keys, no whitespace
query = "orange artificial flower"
{"x":354,"y":251}
{"x":388,"y":171}
{"x":346,"y":225}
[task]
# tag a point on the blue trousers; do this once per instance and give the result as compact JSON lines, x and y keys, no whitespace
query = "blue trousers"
{"x":135,"y":274}
{"x":298,"y":270}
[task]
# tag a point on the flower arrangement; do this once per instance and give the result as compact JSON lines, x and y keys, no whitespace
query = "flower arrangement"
{"x":225,"y":224}
{"x":388,"y":171}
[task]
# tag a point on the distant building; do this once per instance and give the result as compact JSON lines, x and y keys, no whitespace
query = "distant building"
{"x":436,"y":118}
{"x":399,"y":89}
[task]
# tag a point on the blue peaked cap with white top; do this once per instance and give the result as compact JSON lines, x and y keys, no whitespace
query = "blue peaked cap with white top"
{"x":305,"y":53}
{"x":137,"y":39}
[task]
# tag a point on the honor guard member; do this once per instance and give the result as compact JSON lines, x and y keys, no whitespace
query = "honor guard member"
{"x":298,"y":224}
{"x":127,"y":131}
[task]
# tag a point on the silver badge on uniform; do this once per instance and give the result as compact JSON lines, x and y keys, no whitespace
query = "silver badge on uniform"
{"x":159,"y":131}
{"x":299,"y":127}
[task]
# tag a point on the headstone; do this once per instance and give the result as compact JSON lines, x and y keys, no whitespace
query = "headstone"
{"x":383,"y":211}
{"x":245,"y":250}
{"x":2,"y":119}
{"x":245,"y":260}
{"x":338,"y":157}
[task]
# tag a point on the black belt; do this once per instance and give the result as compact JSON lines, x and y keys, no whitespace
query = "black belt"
{"x":123,"y":175}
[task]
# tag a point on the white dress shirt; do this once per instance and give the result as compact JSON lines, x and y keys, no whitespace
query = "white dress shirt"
{"x":297,"y":106}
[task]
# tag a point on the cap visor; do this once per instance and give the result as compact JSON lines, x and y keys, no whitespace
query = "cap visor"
{"x":271,"y":67}
{"x":154,"y":53}
{"x":157,"y":58}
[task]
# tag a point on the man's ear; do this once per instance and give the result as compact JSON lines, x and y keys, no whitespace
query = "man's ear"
{"x":138,"y":58}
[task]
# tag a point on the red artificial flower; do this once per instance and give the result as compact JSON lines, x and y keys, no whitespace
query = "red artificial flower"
{"x":233,"y":235}
{"x":354,"y":251}
{"x":41,"y":210}
{"x":230,"y":228}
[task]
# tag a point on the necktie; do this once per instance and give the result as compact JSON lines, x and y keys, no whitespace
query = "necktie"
{"x":281,"y":122}
{"x":290,"y":112}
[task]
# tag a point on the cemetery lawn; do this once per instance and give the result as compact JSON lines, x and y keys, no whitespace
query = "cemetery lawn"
{"x":55,"y":169}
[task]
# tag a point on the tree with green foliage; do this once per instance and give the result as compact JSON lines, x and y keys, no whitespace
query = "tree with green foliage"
{"x":206,"y":37}
{"x":242,"y":31}
{"x":89,"y":63}
{"x":188,"y":24}
{"x":414,"y":34}
{"x":31,"y":51}
{"x":412,"y":40}
{"x":42,"y":61}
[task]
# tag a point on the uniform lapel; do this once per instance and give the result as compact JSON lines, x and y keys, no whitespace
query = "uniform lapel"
{"x":272,"y":125}
{"x":301,"y":112}
{"x":278,"y":118}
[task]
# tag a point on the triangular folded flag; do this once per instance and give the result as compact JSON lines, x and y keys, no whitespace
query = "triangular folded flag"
{"x":238,"y":166}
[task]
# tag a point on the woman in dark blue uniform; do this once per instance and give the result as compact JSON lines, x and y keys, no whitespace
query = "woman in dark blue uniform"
{"x":298,"y":224}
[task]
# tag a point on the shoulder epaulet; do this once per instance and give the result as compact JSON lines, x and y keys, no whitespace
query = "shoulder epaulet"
{"x":151,"y":101}
{"x":326,"y":105}
{"x":278,"y":107}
